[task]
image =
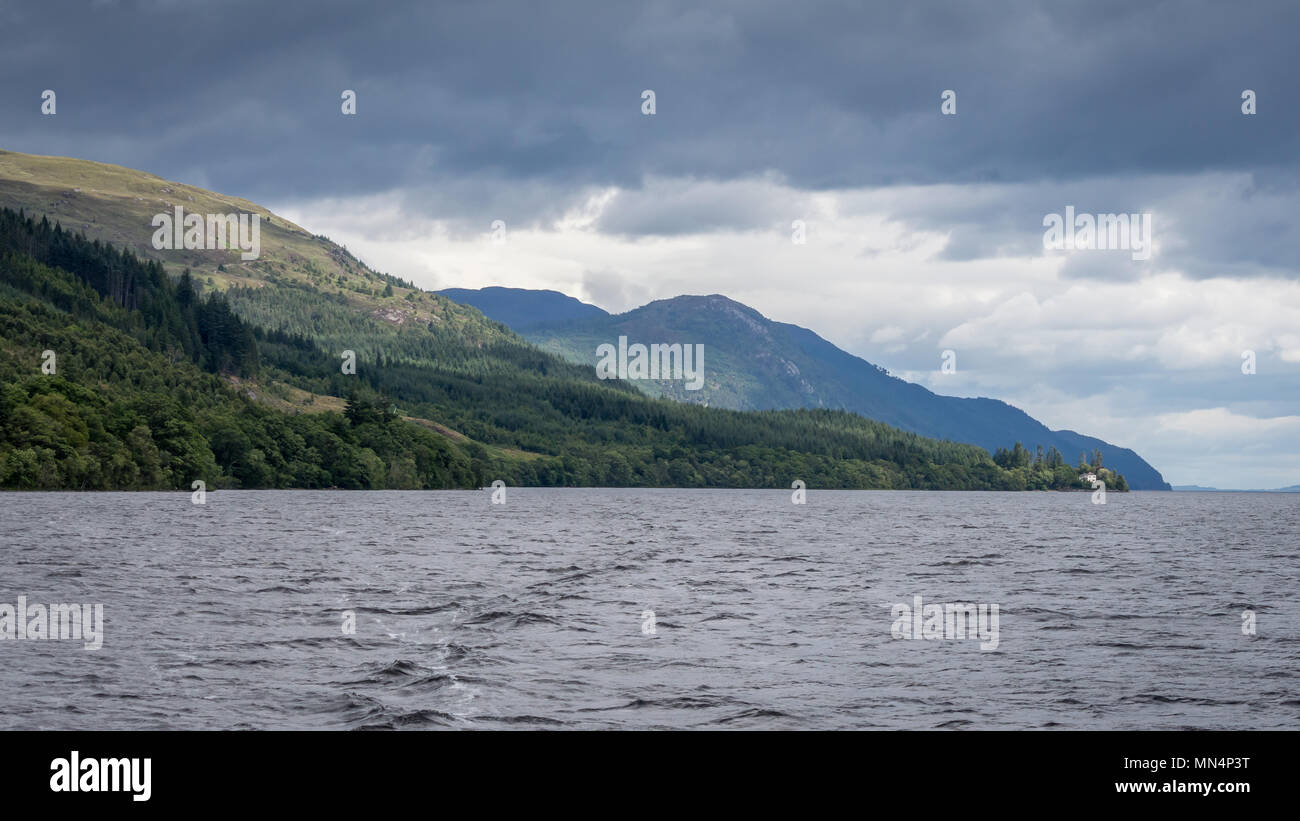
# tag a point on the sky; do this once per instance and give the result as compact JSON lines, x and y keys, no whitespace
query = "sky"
{"x":798,"y":159}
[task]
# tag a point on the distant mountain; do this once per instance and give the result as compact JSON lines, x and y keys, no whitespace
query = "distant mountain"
{"x":1201,"y":489}
{"x":521,"y":308}
{"x":753,"y":363}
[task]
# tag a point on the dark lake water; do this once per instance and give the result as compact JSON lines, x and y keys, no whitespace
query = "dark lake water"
{"x":1127,"y":615}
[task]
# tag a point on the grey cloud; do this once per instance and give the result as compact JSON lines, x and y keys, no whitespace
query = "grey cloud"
{"x":830,"y":95}
{"x":612,"y":291}
{"x":687,"y":206}
{"x":1205,"y":225}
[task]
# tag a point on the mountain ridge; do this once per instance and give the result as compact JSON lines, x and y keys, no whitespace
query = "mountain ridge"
{"x":756,"y":363}
{"x":166,"y":358}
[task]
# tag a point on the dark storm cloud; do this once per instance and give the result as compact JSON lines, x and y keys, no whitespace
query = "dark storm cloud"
{"x":481,"y":110}
{"x":830,"y":95}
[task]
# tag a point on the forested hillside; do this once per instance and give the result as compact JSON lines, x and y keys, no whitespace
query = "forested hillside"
{"x":755,"y":363}
{"x":157,"y":382}
{"x":136,"y":399}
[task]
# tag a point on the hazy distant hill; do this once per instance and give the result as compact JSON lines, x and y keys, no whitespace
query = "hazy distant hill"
{"x":521,"y":308}
{"x":752,"y":362}
{"x":1202,"y":489}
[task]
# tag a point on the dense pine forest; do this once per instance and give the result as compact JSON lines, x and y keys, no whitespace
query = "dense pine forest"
{"x":114,"y":375}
